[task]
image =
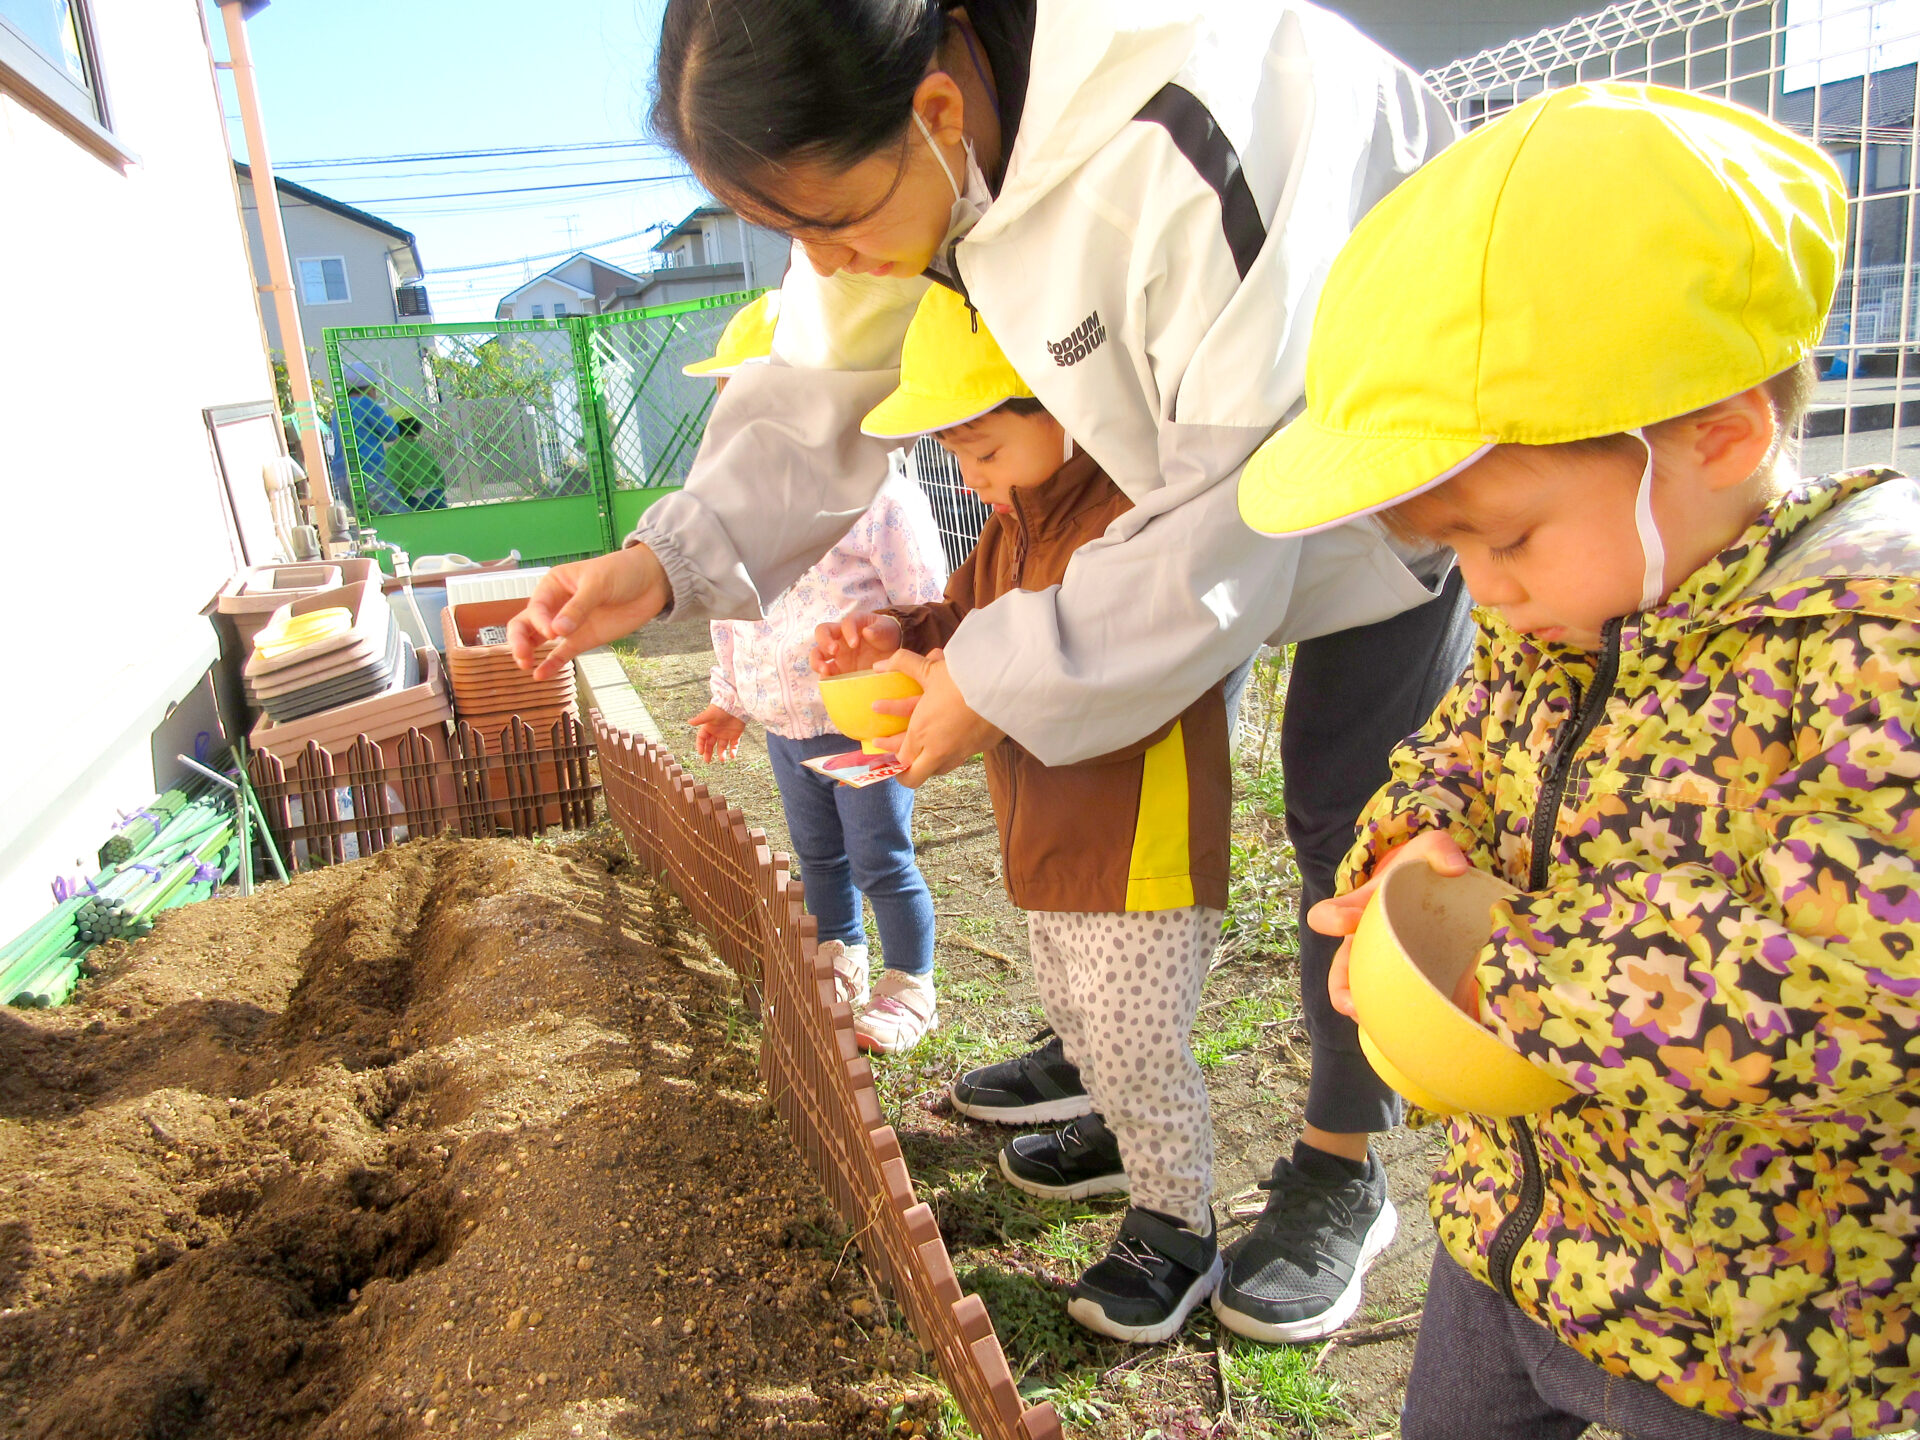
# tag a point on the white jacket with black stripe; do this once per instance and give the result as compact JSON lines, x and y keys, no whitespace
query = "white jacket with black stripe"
{"x":1181,"y":180}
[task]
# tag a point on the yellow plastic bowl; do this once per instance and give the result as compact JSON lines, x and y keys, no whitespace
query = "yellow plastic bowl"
{"x":849,"y":701}
{"x":1419,"y":936}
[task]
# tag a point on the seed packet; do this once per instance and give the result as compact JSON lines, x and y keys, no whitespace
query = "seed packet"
{"x":856,"y":768}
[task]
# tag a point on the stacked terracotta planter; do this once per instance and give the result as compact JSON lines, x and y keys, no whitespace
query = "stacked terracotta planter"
{"x":489,"y":689}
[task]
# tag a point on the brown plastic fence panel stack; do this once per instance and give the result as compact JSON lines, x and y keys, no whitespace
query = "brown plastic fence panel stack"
{"x":820,"y":1083}
{"x":425,"y":782}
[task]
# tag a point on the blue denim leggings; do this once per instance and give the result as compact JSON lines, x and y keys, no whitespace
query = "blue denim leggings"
{"x":851,"y":843}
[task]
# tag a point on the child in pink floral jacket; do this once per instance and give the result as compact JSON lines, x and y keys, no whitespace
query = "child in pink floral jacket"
{"x":850,"y":842}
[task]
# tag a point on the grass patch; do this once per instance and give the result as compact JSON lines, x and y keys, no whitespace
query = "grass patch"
{"x":1068,"y":1243}
{"x":971,"y":989}
{"x":1283,"y":1380}
{"x":1236,"y":1028}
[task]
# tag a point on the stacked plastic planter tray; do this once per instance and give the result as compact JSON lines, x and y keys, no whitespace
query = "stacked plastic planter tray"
{"x":365,"y":679}
{"x":248,"y":600}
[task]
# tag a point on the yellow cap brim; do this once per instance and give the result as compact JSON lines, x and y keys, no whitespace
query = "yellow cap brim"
{"x":1306,"y":478}
{"x":904,"y":413}
{"x":714,"y":368}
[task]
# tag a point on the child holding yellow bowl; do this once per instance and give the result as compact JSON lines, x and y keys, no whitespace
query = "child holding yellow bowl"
{"x":850,"y":842}
{"x":1121,"y":861}
{"x":1575,"y":347}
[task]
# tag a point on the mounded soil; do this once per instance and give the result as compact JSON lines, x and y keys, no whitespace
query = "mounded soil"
{"x":462,"y":1139}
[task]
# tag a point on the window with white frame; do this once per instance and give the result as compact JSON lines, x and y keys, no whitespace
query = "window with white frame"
{"x":540,"y":312}
{"x":323,"y":280}
{"x":559,"y":309}
{"x":47,"y":53}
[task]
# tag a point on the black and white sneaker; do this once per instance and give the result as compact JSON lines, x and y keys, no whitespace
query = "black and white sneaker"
{"x":1079,"y":1159}
{"x":1155,"y":1273}
{"x":1296,"y":1276}
{"x":1038,"y":1088}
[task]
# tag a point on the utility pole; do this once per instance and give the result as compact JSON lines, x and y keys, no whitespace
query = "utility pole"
{"x":279,"y":288}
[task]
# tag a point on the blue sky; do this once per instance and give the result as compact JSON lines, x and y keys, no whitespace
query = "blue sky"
{"x":343,"y":78}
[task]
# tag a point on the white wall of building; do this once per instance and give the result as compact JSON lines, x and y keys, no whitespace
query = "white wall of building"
{"x":117,"y":531}
{"x":546,"y":293}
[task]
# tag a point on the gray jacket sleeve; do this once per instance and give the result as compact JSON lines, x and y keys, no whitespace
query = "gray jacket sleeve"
{"x":1176,"y":594}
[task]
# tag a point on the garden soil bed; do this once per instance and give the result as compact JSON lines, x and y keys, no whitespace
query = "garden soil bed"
{"x":462,"y":1139}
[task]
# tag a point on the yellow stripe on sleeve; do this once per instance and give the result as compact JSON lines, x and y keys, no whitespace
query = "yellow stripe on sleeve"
{"x":1160,"y":875}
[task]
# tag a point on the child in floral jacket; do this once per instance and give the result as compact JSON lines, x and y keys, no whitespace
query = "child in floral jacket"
{"x":1687,"y":733}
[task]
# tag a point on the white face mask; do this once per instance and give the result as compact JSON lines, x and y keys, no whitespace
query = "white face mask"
{"x":1653,"y":584}
{"x":970,"y":203}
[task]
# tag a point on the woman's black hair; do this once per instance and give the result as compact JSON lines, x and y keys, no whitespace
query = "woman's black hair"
{"x":1022,"y":405}
{"x":743,"y":87}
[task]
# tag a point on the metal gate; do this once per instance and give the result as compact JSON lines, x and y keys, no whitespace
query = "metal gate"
{"x":545,"y":436}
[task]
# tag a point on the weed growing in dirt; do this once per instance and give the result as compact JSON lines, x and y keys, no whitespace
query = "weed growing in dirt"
{"x":1286,"y":1384}
{"x":953,"y":1425}
{"x":1261,"y":898}
{"x":1237,"y":1028}
{"x":1073,"y":1397}
{"x":1030,"y":1317}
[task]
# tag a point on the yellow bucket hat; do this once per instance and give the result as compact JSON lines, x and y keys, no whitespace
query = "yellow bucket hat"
{"x":1605,"y":257}
{"x":952,"y":370}
{"x":747,"y":338}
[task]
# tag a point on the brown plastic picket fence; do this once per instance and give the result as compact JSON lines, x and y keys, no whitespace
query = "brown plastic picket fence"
{"x":425,"y":782}
{"x":742,"y":895}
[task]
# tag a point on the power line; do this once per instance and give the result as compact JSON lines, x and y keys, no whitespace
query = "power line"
{"x":548,"y":255}
{"x":601,"y":160}
{"x":635,"y":180}
{"x":426,"y":155}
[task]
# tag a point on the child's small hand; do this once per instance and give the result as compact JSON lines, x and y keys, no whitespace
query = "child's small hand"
{"x":854,"y":642}
{"x":1341,"y":914}
{"x":716,"y":734}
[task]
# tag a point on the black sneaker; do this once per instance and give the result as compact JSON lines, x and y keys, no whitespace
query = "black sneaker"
{"x":1296,"y":1275}
{"x":1152,"y":1277}
{"x":1037,"y":1088}
{"x":1079,"y":1159}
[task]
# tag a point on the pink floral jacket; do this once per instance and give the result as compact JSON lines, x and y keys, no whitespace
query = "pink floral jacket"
{"x":891,"y":556}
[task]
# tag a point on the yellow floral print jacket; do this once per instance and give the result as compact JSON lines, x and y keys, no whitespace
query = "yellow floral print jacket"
{"x":1718,"y":950}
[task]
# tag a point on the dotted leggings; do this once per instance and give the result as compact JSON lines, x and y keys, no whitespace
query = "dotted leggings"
{"x":1121,"y":990}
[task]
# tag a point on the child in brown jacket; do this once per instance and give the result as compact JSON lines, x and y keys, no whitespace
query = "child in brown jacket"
{"x":1121,"y":861}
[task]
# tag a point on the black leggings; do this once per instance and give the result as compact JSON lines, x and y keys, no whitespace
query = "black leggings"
{"x":1352,"y":697}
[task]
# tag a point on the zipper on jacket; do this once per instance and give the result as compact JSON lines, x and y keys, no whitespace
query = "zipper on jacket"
{"x":1546,"y":813}
{"x":1522,"y":1218}
{"x":1019,"y":540}
{"x":1553,"y":774}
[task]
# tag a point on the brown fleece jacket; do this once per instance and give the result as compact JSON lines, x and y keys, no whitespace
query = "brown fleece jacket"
{"x":1078,"y":837}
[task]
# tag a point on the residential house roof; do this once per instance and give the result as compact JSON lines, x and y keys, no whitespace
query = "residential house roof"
{"x":608,"y":280}
{"x":688,"y":221}
{"x":345,"y":212}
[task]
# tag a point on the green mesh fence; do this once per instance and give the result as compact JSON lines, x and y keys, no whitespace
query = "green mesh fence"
{"x":544,"y":436}
{"x":652,"y":414}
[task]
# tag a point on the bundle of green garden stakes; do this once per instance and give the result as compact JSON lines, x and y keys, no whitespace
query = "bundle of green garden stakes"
{"x":178,"y":848}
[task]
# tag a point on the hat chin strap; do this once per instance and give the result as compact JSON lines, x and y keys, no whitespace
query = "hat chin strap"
{"x":1653,"y":585}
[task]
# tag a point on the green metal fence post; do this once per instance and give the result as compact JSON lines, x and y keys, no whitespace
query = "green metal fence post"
{"x":593,"y":421}
{"x":343,"y":430}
